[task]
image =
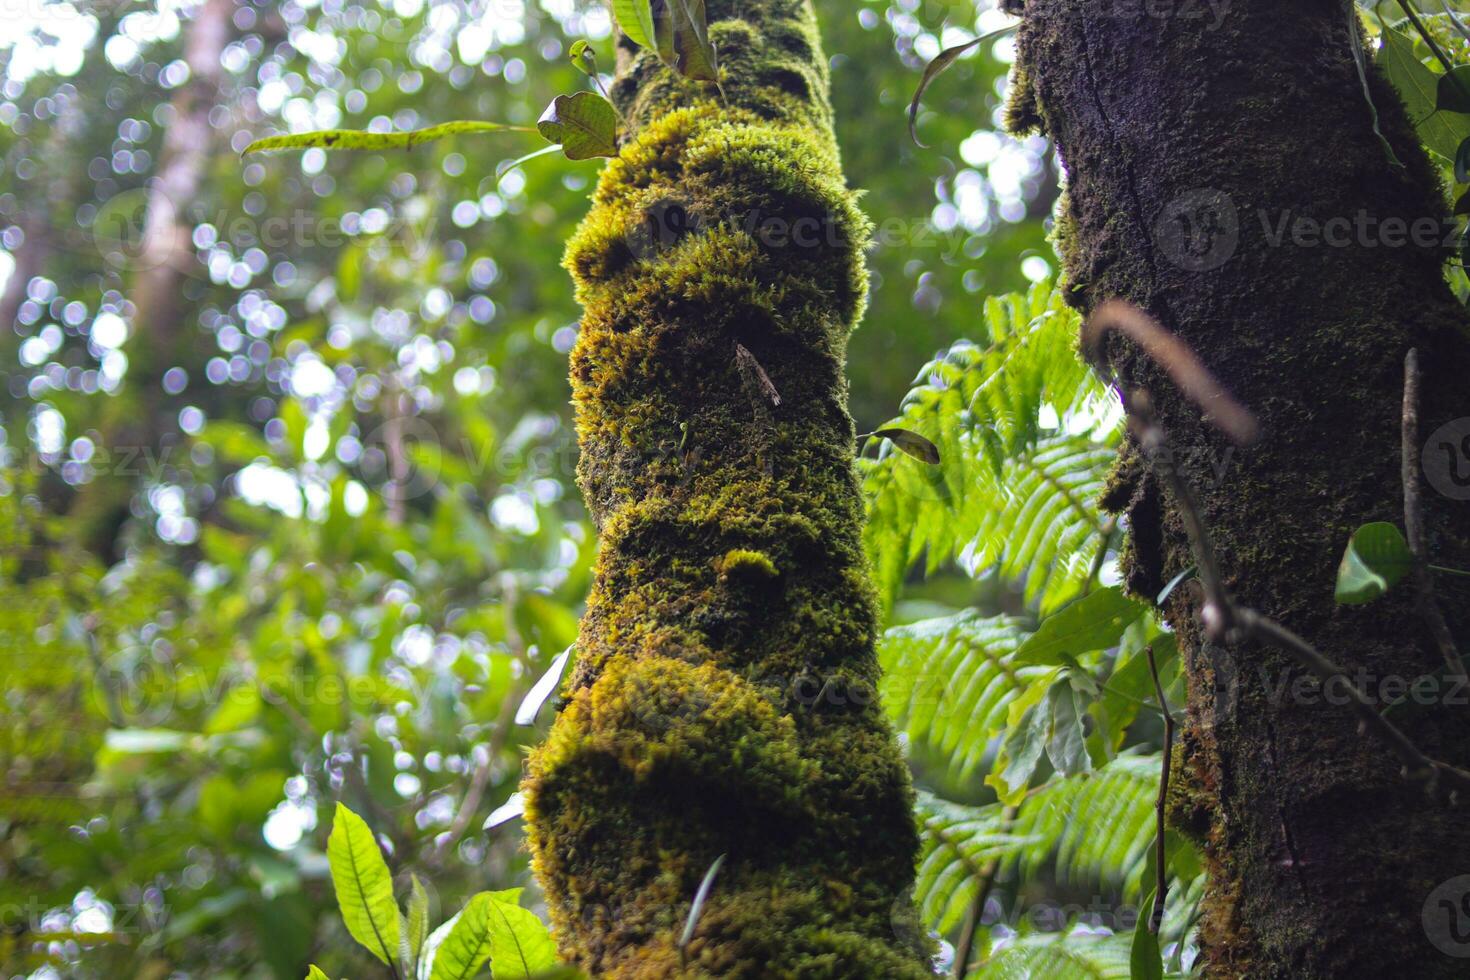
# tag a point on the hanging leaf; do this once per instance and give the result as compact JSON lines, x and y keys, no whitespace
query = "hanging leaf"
{"x":700,"y":897}
{"x":1066,"y":743}
{"x":685,"y":45}
{"x":356,"y":139}
{"x":1094,"y":622}
{"x":942,"y":61}
{"x":910,"y":442}
{"x":583,"y":58}
{"x":584,"y":124}
{"x":544,"y":687}
{"x":363,"y":885}
{"x":416,"y":923}
{"x":1441,"y":132}
{"x":1377,"y":557}
{"x":1453,"y":92}
{"x":1145,"y":959}
{"x":507,"y":811}
{"x":635,"y":19}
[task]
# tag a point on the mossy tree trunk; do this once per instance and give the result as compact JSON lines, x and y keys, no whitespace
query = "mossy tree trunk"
{"x":1186,"y":148}
{"x":723,"y":696}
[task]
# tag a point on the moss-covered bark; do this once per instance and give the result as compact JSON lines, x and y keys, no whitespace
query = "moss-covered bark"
{"x":1185,"y":149}
{"x":722,"y":701}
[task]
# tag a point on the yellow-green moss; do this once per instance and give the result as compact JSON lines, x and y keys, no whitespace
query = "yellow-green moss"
{"x":730,"y":574}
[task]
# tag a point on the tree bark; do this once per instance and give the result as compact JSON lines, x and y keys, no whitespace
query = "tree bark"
{"x":723,"y":699}
{"x":137,"y":420}
{"x":1186,"y":146}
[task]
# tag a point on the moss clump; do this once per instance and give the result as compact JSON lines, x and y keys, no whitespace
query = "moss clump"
{"x":745,"y":564}
{"x":731,"y":581}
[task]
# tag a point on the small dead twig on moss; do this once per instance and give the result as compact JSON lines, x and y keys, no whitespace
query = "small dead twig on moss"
{"x":753,"y":373}
{"x":1161,"y":889}
{"x":1414,"y":521}
{"x":1224,"y":620}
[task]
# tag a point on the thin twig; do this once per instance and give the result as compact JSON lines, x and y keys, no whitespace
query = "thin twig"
{"x":1161,"y":889}
{"x":1414,"y":521}
{"x":1175,"y":357}
{"x":752,"y":370}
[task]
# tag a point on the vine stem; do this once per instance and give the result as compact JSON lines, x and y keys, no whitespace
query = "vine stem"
{"x":1161,"y":889}
{"x":1414,"y":531}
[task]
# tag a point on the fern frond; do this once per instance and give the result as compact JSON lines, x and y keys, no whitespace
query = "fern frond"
{"x":948,"y":681}
{"x":958,"y":843}
{"x":1073,"y":956}
{"x":1024,"y":432}
{"x":1096,"y":828}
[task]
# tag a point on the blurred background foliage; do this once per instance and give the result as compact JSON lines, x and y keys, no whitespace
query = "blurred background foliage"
{"x":287,"y":499}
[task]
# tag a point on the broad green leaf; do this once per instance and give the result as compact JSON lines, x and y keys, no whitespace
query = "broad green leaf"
{"x":355,"y":139}
{"x":1145,"y":960}
{"x":584,"y":124}
{"x":1025,"y":740}
{"x":1462,"y":162}
{"x":911,"y":443}
{"x":363,"y":885}
{"x":313,"y":972}
{"x":942,"y":61}
{"x":1453,"y":91}
{"x":1066,"y":744}
{"x":1377,"y":557}
{"x":520,"y":944}
{"x":466,"y":947}
{"x":1094,"y":622}
{"x":1442,"y":132}
{"x":700,"y":897}
{"x":635,"y":19}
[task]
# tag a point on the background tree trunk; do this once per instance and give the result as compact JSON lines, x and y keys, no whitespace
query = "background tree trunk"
{"x":724,"y":697}
{"x":1186,"y":146}
{"x":137,"y":420}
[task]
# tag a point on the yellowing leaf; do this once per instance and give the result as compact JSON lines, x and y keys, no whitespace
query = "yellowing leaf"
{"x":585,"y":124}
{"x":355,"y":139}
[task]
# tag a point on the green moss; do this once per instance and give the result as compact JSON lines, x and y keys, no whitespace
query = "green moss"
{"x":730,"y":566}
{"x":743,"y":563}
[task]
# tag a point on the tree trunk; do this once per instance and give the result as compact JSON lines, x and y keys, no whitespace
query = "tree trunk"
{"x":137,"y":422}
{"x":1188,"y":141}
{"x":723,"y":700}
